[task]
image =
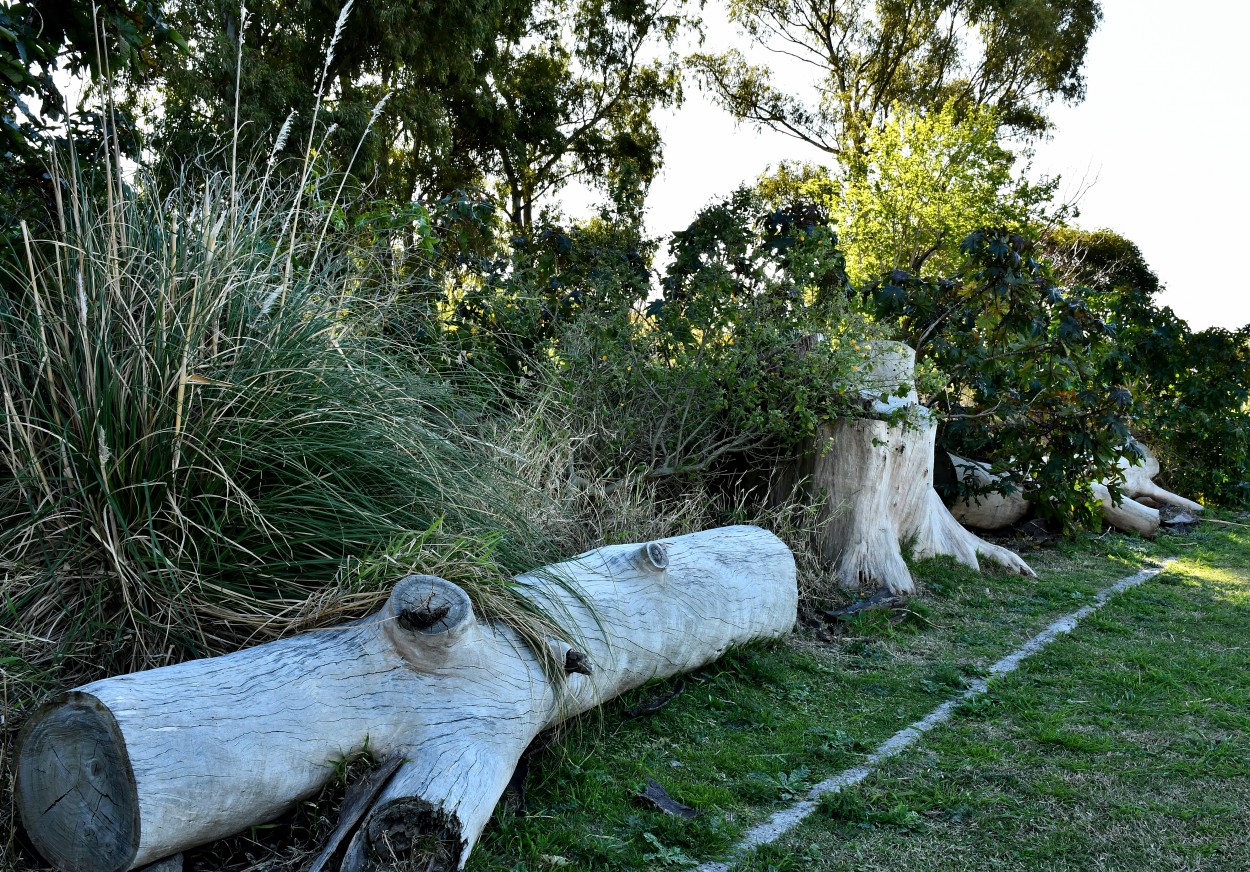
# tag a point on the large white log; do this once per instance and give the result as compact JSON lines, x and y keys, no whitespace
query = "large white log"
{"x":874,"y":483}
{"x":1129,"y":515}
{"x":125,"y":771}
{"x":987,"y":511}
{"x":1138,"y":482}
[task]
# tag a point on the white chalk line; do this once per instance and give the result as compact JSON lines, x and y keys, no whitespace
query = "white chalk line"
{"x":783,"y":821}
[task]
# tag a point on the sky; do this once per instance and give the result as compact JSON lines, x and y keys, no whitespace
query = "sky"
{"x":1158,"y":151}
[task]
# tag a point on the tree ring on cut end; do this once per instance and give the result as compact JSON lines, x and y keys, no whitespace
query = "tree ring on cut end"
{"x":75,"y":787}
{"x":413,"y":834}
{"x":654,"y":556}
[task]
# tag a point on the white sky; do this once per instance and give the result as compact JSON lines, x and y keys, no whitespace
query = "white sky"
{"x":1162,"y":136}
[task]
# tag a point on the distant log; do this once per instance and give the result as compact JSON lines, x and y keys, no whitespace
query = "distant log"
{"x":988,"y":511}
{"x":1129,"y":515}
{"x":1138,"y":482}
{"x":873,"y":480}
{"x":1137,"y":511}
{"x":125,"y":771}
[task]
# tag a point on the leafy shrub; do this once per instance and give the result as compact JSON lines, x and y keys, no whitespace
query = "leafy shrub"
{"x":1190,"y":390}
{"x":1024,"y":361}
{"x":751,"y":345}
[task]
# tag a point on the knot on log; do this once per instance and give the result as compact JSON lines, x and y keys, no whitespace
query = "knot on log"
{"x":426,"y":614}
{"x":576,"y":661}
{"x":653,"y":556}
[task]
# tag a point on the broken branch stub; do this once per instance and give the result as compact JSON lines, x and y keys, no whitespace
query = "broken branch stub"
{"x":127,"y":770}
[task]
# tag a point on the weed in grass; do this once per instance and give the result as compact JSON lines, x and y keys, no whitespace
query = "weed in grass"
{"x":664,"y":855}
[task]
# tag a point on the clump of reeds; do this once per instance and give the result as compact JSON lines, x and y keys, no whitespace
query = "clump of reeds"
{"x":201,"y":426}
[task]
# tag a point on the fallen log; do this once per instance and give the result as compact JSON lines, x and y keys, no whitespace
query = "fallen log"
{"x":1139,"y":485}
{"x":873,"y":480}
{"x":1128,"y":515}
{"x":992,"y":510}
{"x":1137,"y":512}
{"x":127,"y":770}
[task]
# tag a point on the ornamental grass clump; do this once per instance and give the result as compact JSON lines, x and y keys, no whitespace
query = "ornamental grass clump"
{"x":200,"y":429}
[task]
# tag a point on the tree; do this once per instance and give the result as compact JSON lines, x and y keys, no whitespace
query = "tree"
{"x":923,"y":182}
{"x":571,"y":96}
{"x":38,"y":37}
{"x":1190,"y":390}
{"x":1023,"y":358}
{"x":436,"y":97}
{"x":1013,"y":55}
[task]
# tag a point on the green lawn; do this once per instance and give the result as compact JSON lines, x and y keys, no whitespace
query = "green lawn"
{"x":1125,"y":745}
{"x":1122,"y":746}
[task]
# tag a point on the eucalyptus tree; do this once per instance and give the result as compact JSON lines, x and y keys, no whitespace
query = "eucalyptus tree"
{"x":572,"y":95}
{"x":869,"y":56}
{"x":432,"y":97}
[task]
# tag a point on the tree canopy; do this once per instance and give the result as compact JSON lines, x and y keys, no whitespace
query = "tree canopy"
{"x":434,"y":97}
{"x":870,"y":56}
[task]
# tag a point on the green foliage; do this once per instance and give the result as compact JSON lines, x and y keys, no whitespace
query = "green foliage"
{"x":202,"y":429}
{"x":1190,"y":390}
{"x":40,"y":37}
{"x":1024,"y":363}
{"x":526,"y":93}
{"x":874,"y":55}
{"x":922,"y":184}
{"x":748,"y":350}
{"x":571,"y":95}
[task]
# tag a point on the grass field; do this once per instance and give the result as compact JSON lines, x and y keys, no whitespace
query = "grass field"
{"x":1125,"y":745}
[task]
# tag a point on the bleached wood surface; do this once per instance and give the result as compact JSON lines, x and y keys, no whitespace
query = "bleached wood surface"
{"x":164,"y":760}
{"x":988,"y":511}
{"x":1138,"y":483}
{"x":1136,"y":513}
{"x":1129,"y":516}
{"x":874,"y":482}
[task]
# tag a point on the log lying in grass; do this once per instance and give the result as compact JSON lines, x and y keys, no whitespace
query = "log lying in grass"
{"x":1139,"y":485}
{"x":874,"y":481}
{"x":1137,"y":512}
{"x":125,"y":771}
{"x":1129,"y":515}
{"x":987,"y":511}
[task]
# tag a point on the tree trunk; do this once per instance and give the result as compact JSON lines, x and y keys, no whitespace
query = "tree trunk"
{"x":127,"y":770}
{"x":874,"y":482}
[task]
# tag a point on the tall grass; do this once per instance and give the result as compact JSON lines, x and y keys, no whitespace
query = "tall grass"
{"x":199,"y":431}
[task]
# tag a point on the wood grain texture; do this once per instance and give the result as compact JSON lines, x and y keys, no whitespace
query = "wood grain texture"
{"x":220,"y":744}
{"x":873,"y":481}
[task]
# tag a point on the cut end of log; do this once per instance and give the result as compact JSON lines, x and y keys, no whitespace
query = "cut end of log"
{"x":75,"y":789}
{"x":413,"y":834}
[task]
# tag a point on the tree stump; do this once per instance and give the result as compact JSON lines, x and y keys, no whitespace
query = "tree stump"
{"x":124,"y":771}
{"x":873,"y":480}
